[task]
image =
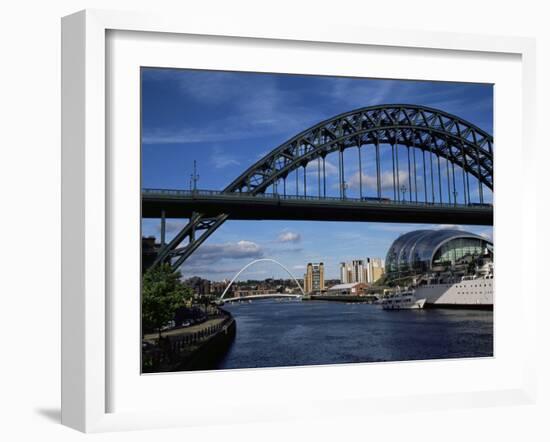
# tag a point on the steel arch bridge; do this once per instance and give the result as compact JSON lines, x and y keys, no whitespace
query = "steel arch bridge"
{"x":420,"y":131}
{"x":285,"y":268}
{"x":428,"y":129}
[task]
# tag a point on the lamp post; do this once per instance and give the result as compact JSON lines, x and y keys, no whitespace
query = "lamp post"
{"x":194,"y":177}
{"x":403,"y":191}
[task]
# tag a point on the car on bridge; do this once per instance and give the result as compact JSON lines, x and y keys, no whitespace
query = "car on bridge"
{"x":376,"y":199}
{"x":480,"y":205}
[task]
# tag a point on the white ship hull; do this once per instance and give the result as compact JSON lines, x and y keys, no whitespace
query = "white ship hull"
{"x":474,"y":293}
{"x":414,"y":305}
{"x":402,"y":301}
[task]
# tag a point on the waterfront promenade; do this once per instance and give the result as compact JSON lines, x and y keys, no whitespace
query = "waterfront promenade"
{"x":188,"y":333}
{"x":194,"y":347}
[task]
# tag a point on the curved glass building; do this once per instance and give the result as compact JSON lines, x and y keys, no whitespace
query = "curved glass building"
{"x":421,"y":251}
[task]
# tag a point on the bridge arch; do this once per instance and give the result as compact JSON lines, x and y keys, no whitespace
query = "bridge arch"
{"x":431,"y":130}
{"x":262,"y":260}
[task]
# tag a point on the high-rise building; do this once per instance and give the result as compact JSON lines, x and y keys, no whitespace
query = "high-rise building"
{"x":374,"y":269}
{"x":358,"y":270}
{"x":314,"y":279}
{"x":353,"y":271}
{"x":368,"y":270}
{"x":344,"y":273}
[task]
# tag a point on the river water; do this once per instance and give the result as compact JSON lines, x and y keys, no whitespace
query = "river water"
{"x":273,"y":333}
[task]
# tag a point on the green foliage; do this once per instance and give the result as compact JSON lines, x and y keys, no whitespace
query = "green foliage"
{"x":162,"y":293}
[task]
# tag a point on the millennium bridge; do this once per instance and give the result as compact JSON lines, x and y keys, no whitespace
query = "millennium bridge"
{"x":258,"y":297}
{"x":440,"y":171}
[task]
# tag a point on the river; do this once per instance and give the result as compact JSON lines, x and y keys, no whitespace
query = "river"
{"x":273,"y":333}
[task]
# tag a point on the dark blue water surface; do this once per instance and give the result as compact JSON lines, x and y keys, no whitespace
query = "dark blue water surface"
{"x":274,"y":333}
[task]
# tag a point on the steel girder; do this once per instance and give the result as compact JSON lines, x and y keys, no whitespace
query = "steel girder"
{"x":193,"y":234}
{"x":424,"y":128}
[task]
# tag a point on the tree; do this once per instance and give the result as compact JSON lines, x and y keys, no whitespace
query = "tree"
{"x":161,"y":294}
{"x":205,"y":301}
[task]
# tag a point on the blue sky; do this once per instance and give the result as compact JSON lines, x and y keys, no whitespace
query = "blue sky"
{"x":228,"y":120}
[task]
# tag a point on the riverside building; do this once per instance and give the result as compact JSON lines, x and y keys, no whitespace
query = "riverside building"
{"x":446,"y":267}
{"x":374,"y":269}
{"x":352,"y":288}
{"x":368,"y":271}
{"x":314,"y":278}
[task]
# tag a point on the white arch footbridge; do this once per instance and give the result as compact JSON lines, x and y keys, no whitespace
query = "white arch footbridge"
{"x":274,"y":295}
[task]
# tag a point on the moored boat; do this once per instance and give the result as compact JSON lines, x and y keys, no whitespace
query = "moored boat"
{"x":402,"y":301}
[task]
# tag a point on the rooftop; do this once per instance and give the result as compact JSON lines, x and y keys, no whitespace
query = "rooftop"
{"x":344,"y":286}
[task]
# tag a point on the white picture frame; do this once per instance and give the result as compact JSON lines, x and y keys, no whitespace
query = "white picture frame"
{"x":86,"y":208}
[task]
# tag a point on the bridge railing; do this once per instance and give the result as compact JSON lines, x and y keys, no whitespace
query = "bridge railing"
{"x":171,"y":349}
{"x":281,"y":197}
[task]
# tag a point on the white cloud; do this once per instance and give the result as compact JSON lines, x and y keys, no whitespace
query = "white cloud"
{"x":220,"y":159}
{"x":330,"y":168}
{"x":370,"y":181}
{"x":289,"y":236}
{"x":190,"y":135}
{"x":356,"y":93}
{"x":213,"y":253}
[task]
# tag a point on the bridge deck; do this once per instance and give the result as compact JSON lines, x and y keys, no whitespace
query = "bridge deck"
{"x":181,"y":204}
{"x":268,"y":296}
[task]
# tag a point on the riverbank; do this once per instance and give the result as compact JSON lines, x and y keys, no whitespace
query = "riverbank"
{"x":197,"y":347}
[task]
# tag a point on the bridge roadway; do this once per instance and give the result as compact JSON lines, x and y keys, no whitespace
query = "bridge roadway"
{"x":265,"y":296}
{"x":182,"y":204}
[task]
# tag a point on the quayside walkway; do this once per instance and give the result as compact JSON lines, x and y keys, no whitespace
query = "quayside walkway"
{"x":189,"y":348}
